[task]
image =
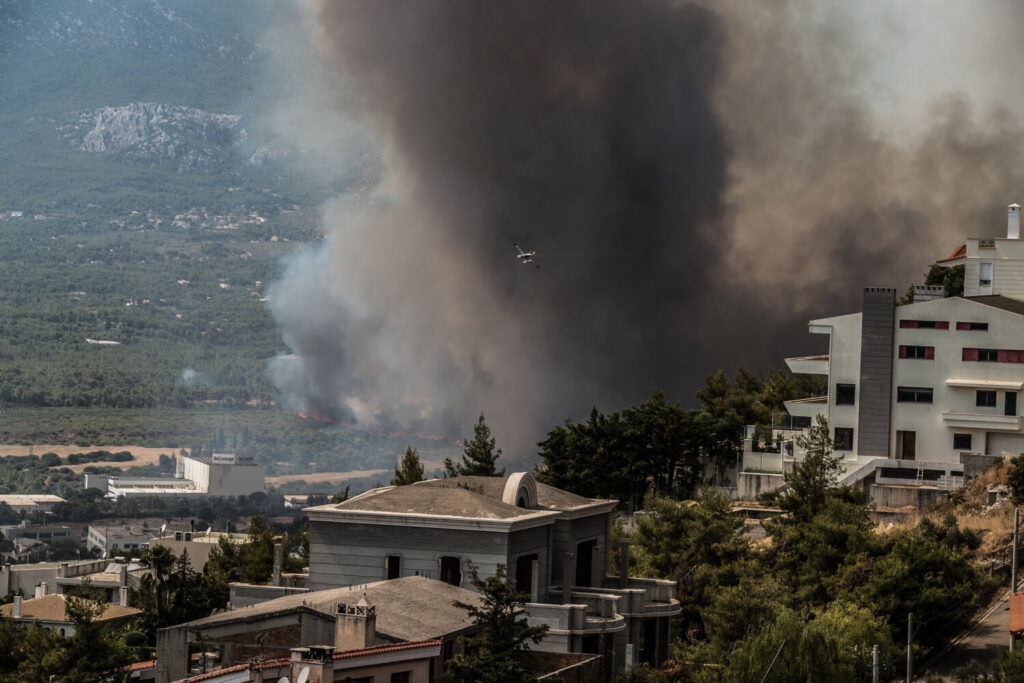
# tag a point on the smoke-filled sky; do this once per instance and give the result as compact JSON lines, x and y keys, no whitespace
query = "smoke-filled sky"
{"x":698,"y":179}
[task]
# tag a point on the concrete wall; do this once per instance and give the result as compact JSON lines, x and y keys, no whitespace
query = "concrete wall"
{"x":235,"y":480}
{"x":344,"y":554}
{"x":751,"y":485}
{"x":526,"y":542}
{"x":844,"y":368}
{"x":902,"y":496}
{"x":567,"y":533}
{"x":876,"y":357}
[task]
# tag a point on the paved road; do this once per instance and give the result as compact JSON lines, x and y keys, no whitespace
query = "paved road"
{"x":981,"y":643}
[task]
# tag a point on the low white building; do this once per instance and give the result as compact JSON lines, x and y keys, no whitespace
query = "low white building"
{"x":220,"y":475}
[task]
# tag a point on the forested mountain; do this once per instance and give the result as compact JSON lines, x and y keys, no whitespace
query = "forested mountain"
{"x":146,"y":198}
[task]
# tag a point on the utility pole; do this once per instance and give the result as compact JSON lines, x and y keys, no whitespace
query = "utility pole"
{"x":1013,"y":563}
{"x":874,"y":664}
{"x":910,"y":651}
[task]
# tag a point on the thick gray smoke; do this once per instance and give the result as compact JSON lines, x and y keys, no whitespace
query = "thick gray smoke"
{"x":697,"y":179}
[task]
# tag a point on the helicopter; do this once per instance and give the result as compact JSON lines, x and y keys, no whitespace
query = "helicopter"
{"x":526,"y":257}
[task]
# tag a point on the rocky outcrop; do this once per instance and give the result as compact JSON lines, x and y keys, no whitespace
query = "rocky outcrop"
{"x":197,"y":139}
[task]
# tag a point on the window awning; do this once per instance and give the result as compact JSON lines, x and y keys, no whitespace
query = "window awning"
{"x":986,"y":384}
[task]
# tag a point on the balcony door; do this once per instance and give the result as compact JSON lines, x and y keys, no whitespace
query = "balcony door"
{"x":1011,"y":403}
{"x":907,"y":445}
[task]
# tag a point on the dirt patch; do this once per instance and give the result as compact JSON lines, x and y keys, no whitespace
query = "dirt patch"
{"x":331,"y":477}
{"x":142,"y":454}
{"x":339,"y":477}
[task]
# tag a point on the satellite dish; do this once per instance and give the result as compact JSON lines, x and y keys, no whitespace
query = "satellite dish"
{"x":303,"y":675}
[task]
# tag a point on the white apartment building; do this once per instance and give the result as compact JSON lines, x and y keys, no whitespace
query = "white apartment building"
{"x":223,"y":474}
{"x":913,"y":388}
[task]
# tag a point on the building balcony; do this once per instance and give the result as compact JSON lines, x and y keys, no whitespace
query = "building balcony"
{"x":808,"y":365}
{"x":807,"y":407}
{"x":988,"y":421}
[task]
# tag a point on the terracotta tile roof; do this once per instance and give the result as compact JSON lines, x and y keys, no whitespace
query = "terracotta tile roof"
{"x":1017,"y":613}
{"x":380,"y":649}
{"x":142,"y":666}
{"x":958,"y":253}
{"x":53,"y":608}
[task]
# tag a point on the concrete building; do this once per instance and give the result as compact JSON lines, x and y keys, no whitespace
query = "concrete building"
{"x":197,"y":543}
{"x":50,"y":611}
{"x":406,"y":662}
{"x":554,"y":544}
{"x":42,"y":502}
{"x":920,"y":394}
{"x":118,"y":540}
{"x":220,"y":475}
{"x":383,"y":613}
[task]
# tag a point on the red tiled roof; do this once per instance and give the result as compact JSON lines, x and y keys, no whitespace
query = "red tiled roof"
{"x":1017,"y":613}
{"x":379,"y":649}
{"x":958,"y":253}
{"x":266,"y":664}
{"x":142,"y":666}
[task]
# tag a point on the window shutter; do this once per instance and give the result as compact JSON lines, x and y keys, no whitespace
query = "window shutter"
{"x":908,"y":323}
{"x":942,"y":324}
{"x":963,"y":326}
{"x":970,"y":354}
{"x":929,"y":352}
{"x":903,"y":351}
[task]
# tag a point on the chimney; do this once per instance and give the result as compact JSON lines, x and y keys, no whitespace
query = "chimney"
{"x":278,"y":561}
{"x":122,"y":594}
{"x":62,"y":570}
{"x":624,"y":563}
{"x":17,"y":607}
{"x":355,"y":626}
{"x":122,"y":575}
{"x":1013,"y":221}
{"x":316,"y":660}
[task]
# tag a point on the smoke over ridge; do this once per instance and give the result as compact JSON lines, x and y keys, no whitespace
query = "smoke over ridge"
{"x":698,"y":180}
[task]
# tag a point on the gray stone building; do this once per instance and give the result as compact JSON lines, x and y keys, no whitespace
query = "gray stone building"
{"x":547,"y":538}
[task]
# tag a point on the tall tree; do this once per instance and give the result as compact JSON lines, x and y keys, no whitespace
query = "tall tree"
{"x":410,"y":470}
{"x":489,"y":656}
{"x":480,"y":456}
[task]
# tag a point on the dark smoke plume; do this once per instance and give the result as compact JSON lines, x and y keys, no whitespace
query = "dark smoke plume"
{"x":698,"y":180}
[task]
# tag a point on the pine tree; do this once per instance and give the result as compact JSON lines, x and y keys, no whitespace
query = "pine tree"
{"x":480,"y":457}
{"x":410,"y":470}
{"x":490,"y":655}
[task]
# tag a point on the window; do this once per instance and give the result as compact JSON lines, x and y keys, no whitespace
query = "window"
{"x":926,"y":352}
{"x":451,"y":570}
{"x":914,"y":394}
{"x":962,"y":442}
{"x":394,"y":567}
{"x":986,"y":399}
{"x":988,"y":355}
{"x":986,"y":243}
{"x":985,"y":275}
{"x":972,"y":326}
{"x":401,"y":677}
{"x":843,"y":440}
{"x":925,"y":324}
{"x":846,"y":394}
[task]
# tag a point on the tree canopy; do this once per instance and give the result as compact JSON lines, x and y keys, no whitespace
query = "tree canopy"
{"x":490,"y":654}
{"x":479,"y":457}
{"x":410,"y":470}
